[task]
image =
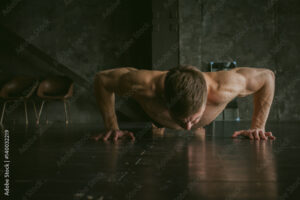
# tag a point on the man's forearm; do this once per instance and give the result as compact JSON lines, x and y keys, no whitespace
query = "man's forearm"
{"x":262,"y":101}
{"x":106,"y":102}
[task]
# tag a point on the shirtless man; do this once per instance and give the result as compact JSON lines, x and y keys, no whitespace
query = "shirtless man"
{"x":184,"y":97}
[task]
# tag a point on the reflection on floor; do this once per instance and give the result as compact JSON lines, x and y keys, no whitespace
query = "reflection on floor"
{"x":54,"y":162}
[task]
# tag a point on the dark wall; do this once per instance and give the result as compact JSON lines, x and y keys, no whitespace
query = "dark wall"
{"x":84,"y":36}
{"x":255,"y":33}
{"x":89,"y":36}
{"x":165,"y":34}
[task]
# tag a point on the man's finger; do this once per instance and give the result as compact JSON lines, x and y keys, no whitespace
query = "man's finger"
{"x":256,"y":135}
{"x":116,"y":135}
{"x":250,"y":135}
{"x":107,"y":135}
{"x":237,"y":133}
{"x":272,"y":137}
{"x":262,"y":135}
{"x":131,"y":135}
{"x":96,"y":138}
{"x":269,"y":134}
{"x":121,"y":133}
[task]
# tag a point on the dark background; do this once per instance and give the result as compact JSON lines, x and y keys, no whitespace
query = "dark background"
{"x":78,"y":38}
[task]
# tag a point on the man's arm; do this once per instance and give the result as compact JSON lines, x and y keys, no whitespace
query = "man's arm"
{"x":260,"y":83}
{"x":107,"y":84}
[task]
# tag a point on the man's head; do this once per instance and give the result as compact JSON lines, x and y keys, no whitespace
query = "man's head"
{"x":185,"y":94}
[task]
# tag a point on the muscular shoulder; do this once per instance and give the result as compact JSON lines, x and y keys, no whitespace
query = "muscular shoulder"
{"x":137,"y":77}
{"x":228,"y":83}
{"x":128,"y":81}
{"x":139,"y":82}
{"x":242,"y":81}
{"x":254,"y":79}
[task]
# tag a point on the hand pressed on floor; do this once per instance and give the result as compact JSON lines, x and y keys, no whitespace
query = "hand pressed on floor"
{"x":115,"y":134}
{"x":254,"y":134}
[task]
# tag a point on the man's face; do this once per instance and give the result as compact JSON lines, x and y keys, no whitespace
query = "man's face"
{"x":188,"y":122}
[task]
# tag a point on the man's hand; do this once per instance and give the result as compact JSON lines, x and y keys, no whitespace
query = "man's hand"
{"x":157,"y":131}
{"x":254,"y":134}
{"x":115,"y":134}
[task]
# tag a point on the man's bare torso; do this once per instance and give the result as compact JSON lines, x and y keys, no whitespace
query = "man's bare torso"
{"x":147,"y":88}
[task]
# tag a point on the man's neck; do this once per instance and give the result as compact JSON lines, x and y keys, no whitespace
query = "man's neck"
{"x":210,"y":85}
{"x":160,"y":85}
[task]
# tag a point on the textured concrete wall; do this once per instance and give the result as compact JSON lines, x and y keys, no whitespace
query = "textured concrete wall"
{"x":85,"y":36}
{"x":255,"y":33}
{"x":88,"y":36}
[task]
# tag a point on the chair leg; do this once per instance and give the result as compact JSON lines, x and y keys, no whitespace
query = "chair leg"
{"x":46,"y":113}
{"x":69,"y":110}
{"x":26,"y":115}
{"x":35,"y":111}
{"x":66,"y":114}
{"x":3,"y":111}
{"x":40,"y":113}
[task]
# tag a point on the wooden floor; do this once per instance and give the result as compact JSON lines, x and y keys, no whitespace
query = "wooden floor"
{"x":54,"y":162}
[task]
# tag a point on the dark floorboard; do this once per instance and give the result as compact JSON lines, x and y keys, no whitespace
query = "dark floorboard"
{"x":54,"y":162}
